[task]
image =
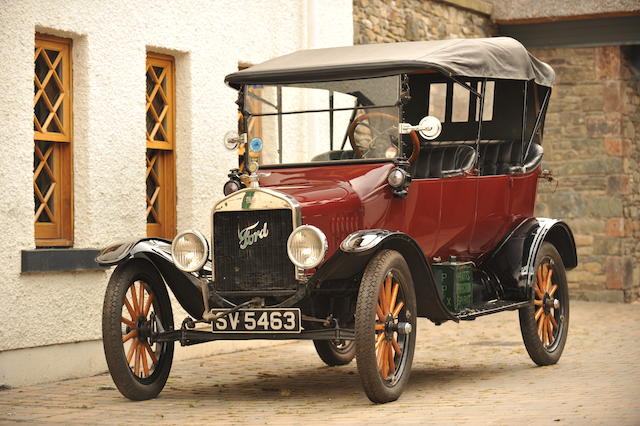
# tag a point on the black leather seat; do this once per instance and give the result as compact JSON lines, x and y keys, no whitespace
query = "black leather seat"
{"x":496,"y":158}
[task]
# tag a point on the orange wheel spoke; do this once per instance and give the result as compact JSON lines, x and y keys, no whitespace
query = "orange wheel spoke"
{"x":147,"y":305}
{"x":129,"y":335}
{"x":537,"y":302}
{"x":392,"y":364}
{"x":382,"y":301}
{"x":379,"y":327}
{"x":396,"y":347}
{"x":380,"y":314}
{"x":550,"y":329}
{"x":141,"y":301}
{"x":134,"y":299}
{"x":545,"y":333}
{"x":398,"y":308}
{"x":145,"y":363}
{"x":553,"y":321}
{"x":540,"y":324}
{"x":132,"y":312}
{"x":539,"y":278}
{"x":387,"y":295}
{"x":539,"y":293}
{"x":548,"y":285}
{"x":151,"y":353}
{"x":394,"y":296}
{"x":379,"y":339}
{"x":539,"y":312}
{"x":132,"y":349}
{"x":553,"y":290}
{"x":385,"y":359}
{"x":129,"y":322}
{"x":136,"y":365}
{"x":379,"y":354}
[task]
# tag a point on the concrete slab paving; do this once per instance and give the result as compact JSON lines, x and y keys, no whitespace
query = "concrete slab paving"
{"x":474,"y":372}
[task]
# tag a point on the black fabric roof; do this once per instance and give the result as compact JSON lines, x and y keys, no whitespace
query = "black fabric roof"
{"x":497,"y":57}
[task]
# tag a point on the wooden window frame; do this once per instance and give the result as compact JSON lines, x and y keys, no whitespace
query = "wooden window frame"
{"x":165,"y":227}
{"x":59,"y":231}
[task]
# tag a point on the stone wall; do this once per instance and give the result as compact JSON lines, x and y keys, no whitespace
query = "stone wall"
{"x":591,"y":146}
{"x":380,"y":21}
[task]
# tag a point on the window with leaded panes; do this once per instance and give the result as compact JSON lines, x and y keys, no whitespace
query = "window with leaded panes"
{"x":160,"y":161}
{"x":52,"y":125}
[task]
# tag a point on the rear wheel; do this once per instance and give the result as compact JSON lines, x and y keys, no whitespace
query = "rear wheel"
{"x":544,"y":324}
{"x":335,"y":352}
{"x":136,"y":305}
{"x":385,"y":326}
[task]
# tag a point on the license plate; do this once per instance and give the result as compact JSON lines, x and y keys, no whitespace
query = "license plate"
{"x":264,"y":320}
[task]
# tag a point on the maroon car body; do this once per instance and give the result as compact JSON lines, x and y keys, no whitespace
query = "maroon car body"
{"x":416,"y":201}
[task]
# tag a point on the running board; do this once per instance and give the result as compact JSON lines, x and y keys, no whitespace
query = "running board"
{"x":491,"y":308}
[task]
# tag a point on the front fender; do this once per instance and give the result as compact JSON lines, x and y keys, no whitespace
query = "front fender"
{"x":359,"y":247}
{"x":185,"y":286}
{"x":513,"y":260}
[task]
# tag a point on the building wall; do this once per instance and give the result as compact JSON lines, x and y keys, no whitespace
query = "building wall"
{"x":110,"y":42}
{"x":381,"y":21}
{"x":591,"y":145}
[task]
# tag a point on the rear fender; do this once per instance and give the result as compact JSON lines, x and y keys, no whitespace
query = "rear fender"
{"x":359,"y":247}
{"x":157,"y":252}
{"x":513,"y":261}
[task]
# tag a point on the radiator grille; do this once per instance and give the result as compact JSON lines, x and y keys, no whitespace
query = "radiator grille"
{"x":262,"y":265}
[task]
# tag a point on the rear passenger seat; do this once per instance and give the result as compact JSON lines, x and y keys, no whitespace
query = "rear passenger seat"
{"x":496,"y":158}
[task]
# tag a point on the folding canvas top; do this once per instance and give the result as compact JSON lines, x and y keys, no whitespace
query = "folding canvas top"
{"x":497,"y":57}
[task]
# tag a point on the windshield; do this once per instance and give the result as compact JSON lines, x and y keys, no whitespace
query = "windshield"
{"x":323,"y":121}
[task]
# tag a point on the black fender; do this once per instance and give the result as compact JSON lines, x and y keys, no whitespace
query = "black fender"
{"x":185,"y":286}
{"x":513,"y":259}
{"x":359,"y":247}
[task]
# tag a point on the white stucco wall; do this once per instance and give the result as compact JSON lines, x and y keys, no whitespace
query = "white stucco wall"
{"x":110,"y":41}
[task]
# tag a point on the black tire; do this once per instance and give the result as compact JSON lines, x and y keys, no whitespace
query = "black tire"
{"x":381,"y":386}
{"x":148,"y":375}
{"x":547,"y":349}
{"x":335,"y":352}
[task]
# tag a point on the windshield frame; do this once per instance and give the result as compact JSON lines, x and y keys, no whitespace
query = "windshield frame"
{"x":245,"y":93}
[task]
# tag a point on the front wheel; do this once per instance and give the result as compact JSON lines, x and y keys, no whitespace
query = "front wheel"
{"x":544,"y":324}
{"x":385,"y":326}
{"x":136,"y":306}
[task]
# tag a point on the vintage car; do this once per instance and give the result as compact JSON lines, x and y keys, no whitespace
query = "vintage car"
{"x":377,"y":184}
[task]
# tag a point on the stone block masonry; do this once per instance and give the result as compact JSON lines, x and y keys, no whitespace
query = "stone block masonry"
{"x":591,"y":145}
{"x":382,"y":21}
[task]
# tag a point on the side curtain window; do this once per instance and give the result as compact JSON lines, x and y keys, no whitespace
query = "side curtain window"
{"x":160,"y":158}
{"x":53,"y":138}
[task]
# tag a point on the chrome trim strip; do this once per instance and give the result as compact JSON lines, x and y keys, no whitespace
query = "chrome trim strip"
{"x":235,"y":201}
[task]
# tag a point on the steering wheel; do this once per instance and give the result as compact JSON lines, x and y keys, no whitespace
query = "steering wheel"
{"x":377,"y":134}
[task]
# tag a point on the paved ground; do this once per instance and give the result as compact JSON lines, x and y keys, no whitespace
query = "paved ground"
{"x":475,"y":372}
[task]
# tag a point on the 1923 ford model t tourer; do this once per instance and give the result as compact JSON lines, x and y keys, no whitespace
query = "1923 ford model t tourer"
{"x":397,"y":181}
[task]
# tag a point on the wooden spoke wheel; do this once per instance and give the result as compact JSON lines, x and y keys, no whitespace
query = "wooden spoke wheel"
{"x":544,"y":324}
{"x":385,"y":326}
{"x":136,"y":307}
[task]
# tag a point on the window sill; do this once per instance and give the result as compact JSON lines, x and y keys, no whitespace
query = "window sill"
{"x":59,"y":260}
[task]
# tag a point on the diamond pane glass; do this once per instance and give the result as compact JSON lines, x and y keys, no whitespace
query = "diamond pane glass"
{"x":153,"y":185}
{"x":44,"y":180}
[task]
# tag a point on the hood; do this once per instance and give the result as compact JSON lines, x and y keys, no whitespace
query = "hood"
{"x":337,"y":199}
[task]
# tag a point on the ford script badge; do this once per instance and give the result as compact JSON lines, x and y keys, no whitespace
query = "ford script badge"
{"x":248,"y":236}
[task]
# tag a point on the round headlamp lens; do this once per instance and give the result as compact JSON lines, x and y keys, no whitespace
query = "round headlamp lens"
{"x":190,"y":251}
{"x":307,"y":246}
{"x":230,"y":187}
